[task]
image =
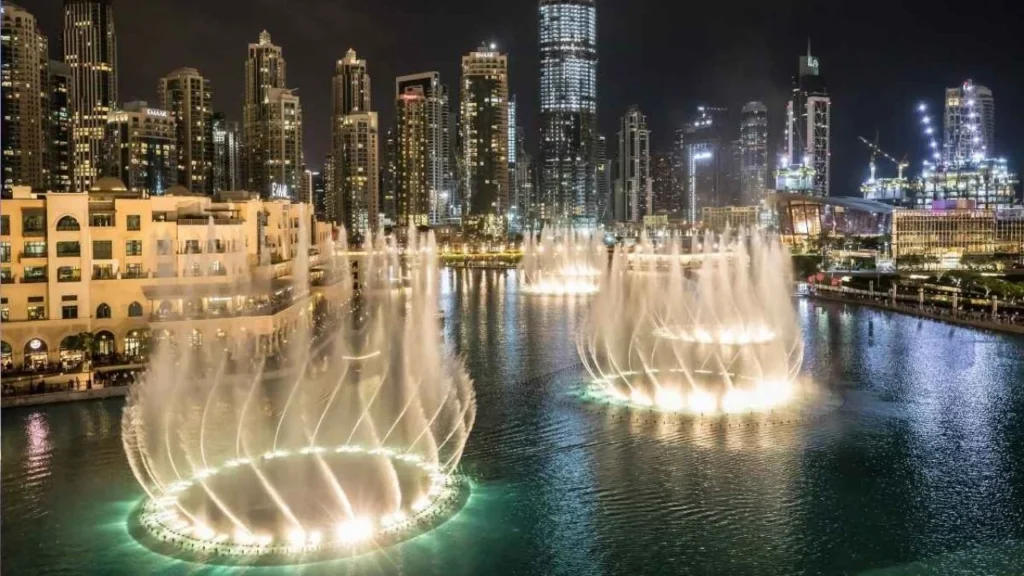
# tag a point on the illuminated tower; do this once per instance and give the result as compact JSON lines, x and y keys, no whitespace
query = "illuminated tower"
{"x":25,"y":109}
{"x":968,"y":125}
{"x":186,"y":95}
{"x":809,"y":124}
{"x":90,"y":49}
{"x":635,"y":189}
{"x":483,"y":134}
{"x":568,"y":111}
{"x":753,"y":153}
{"x":264,"y":72}
{"x":420,"y":106}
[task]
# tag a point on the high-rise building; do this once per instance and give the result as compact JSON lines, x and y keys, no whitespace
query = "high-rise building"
{"x":635,"y":190}
{"x":90,"y":49}
{"x":753,"y":153}
{"x":809,"y":124}
{"x":264,"y":72}
{"x":968,"y":125}
{"x":676,"y":202}
{"x":330,"y":198}
{"x":141,"y":148}
{"x":319,"y":194}
{"x":483,"y":132}
{"x":305,"y":194}
{"x":354,"y":201}
{"x":24,"y":78}
{"x":59,"y":128}
{"x":358,"y":172}
{"x":420,"y":163}
{"x":603,"y":204}
{"x":707,"y":160}
{"x":523,"y":187}
{"x":568,"y":110}
{"x":389,"y":178}
{"x":350,"y":86}
{"x":186,"y":95}
{"x":226,"y":154}
{"x":663,"y":183}
{"x":282,"y":166}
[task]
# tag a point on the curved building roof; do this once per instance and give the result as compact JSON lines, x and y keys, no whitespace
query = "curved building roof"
{"x":108,"y":184}
{"x":848,"y":202}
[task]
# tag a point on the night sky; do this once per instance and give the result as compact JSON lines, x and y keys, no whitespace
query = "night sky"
{"x":879,"y":58}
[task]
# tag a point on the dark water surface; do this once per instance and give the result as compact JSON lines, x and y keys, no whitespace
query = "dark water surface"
{"x":918,"y":469}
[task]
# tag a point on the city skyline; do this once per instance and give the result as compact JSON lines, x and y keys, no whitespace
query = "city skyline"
{"x":874,"y":85}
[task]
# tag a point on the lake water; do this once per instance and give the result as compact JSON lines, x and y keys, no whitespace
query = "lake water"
{"x":917,"y":468}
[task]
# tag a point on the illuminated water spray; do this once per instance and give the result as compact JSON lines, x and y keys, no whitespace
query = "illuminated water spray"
{"x":350,"y":444}
{"x":721,"y":338}
{"x":563,"y":262}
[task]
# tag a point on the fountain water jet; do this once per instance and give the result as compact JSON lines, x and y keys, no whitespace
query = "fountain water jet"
{"x":721,"y":339}
{"x":352,"y":442}
{"x":562,"y":262}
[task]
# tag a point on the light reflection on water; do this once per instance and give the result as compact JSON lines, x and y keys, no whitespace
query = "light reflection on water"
{"x":921,"y":470}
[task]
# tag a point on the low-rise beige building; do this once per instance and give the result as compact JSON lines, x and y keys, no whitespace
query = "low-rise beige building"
{"x":125,"y":267}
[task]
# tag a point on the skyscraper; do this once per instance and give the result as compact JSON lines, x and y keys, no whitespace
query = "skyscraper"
{"x":264,"y":71}
{"x":140,"y":148}
{"x":24,"y":78}
{"x":59,"y":128}
{"x":358,"y":172}
{"x":753,"y":153}
{"x":330,"y":198}
{"x":350,"y":86}
{"x":354,"y":200}
{"x":226,"y":154}
{"x":663,"y":183}
{"x":90,"y":49}
{"x":707,"y":159}
{"x":420,"y":145}
{"x":483,"y":134}
{"x":568,"y":110}
{"x":809,"y":124}
{"x":389,"y":178}
{"x":635,"y":190}
{"x":186,"y":95}
{"x":968,"y":125}
{"x":282,"y":149}
{"x":603,"y":204}
{"x":319,"y":194}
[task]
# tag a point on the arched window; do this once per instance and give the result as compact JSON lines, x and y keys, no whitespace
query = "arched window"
{"x":68,"y":224}
{"x":105,"y":344}
{"x":6,"y":354}
{"x":134,"y":310}
{"x":103,"y":311}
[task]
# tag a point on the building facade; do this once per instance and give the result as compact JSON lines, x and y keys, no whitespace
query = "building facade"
{"x":90,"y":49}
{"x":187,"y":96}
{"x":568,"y":111}
{"x":483,"y":132}
{"x":60,"y":129}
{"x":140,"y":148}
{"x":420,"y":142}
{"x":25,"y":100}
{"x":227,"y":154}
{"x":129,"y":269}
{"x":635,"y":197}
{"x":264,"y":73}
{"x":706,"y":160}
{"x":357,"y":174}
{"x":809,"y":124}
{"x":282,"y":168}
{"x":663,"y":183}
{"x":753,"y":148}
{"x":968,"y":125}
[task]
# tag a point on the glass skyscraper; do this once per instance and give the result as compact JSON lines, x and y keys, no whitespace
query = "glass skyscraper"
{"x":568,"y":111}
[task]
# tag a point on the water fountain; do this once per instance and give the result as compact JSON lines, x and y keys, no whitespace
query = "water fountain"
{"x":350,"y":444}
{"x":562,"y":262}
{"x":721,"y":338}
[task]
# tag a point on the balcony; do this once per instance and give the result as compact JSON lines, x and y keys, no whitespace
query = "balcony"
{"x":134,"y":274}
{"x":206,"y":221}
{"x":70,"y":278}
{"x":69,"y":253}
{"x":34,"y":254}
{"x":33,"y":232}
{"x":8,"y":278}
{"x":34,"y":280}
{"x":104,"y":275}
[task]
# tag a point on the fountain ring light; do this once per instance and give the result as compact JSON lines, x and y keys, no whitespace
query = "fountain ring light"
{"x":162,"y":522}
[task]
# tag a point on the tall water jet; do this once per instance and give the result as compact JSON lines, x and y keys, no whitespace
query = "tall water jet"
{"x":721,"y":338}
{"x":562,"y":261}
{"x":350,"y":441}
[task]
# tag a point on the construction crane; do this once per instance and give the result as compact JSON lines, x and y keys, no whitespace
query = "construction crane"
{"x":875,"y":150}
